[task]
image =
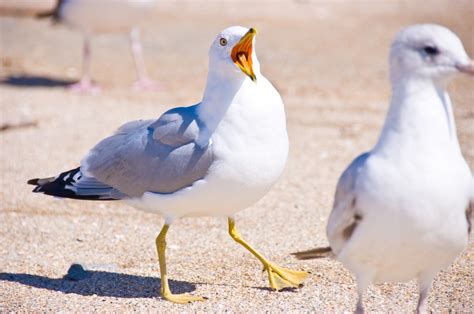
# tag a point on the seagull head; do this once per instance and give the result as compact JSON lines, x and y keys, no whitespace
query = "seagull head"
{"x":232,"y":53}
{"x":428,"y":51}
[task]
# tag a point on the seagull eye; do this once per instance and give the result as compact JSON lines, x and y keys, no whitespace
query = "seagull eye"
{"x":223,"y":41}
{"x":431,"y":50}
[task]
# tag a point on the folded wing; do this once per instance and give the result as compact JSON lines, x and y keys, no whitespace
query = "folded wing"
{"x":159,"y":156}
{"x":344,"y":216}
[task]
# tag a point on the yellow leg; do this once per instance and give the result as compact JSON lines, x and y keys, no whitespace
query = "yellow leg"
{"x":165,"y":289}
{"x":279,"y":277}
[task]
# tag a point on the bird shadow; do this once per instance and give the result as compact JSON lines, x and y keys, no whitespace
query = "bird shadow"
{"x":101,"y":283}
{"x":35,"y":81}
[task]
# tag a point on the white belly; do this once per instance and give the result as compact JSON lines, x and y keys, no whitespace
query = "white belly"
{"x":227,"y":189}
{"x":103,"y":16}
{"x":409,"y":232}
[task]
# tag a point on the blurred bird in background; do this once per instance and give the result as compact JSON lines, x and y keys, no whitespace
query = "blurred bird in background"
{"x":93,"y":17}
{"x":403,"y":210}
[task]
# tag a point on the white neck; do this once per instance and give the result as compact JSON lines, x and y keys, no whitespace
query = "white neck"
{"x":420,"y":115}
{"x":218,"y":96}
{"x":221,"y":87}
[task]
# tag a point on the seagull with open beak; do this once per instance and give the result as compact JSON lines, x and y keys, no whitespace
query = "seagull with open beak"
{"x":211,"y":159}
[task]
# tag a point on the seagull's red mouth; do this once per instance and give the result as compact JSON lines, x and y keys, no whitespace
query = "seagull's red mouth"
{"x":242,"y":54}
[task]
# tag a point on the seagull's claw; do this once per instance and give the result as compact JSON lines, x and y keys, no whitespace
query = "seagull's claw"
{"x":281,"y":278}
{"x":182,"y":298}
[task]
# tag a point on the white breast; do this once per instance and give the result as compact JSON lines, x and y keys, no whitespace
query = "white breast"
{"x":251,"y":148}
{"x":251,"y":145}
{"x":413,"y":213}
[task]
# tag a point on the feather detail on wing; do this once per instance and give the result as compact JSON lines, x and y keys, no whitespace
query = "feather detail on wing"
{"x":344,"y":216}
{"x":73,"y":184}
{"x":152,"y":156}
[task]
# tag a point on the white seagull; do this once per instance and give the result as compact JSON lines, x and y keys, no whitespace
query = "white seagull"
{"x":105,"y":16}
{"x":211,"y":159}
{"x":401,"y":211}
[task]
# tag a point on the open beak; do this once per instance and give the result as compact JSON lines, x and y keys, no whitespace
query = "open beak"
{"x":466,"y":68}
{"x":242,"y":53}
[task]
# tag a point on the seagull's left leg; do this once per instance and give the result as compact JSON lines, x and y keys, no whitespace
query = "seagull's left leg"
{"x":279,"y":277}
{"x":143,"y":82}
{"x":165,"y":289}
{"x":363,"y":279}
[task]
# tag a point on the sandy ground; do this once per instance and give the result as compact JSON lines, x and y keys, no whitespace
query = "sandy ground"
{"x":328,"y":60}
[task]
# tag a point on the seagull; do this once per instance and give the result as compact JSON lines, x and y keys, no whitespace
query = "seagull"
{"x":211,"y":159}
{"x":402,"y":210}
{"x":105,"y":16}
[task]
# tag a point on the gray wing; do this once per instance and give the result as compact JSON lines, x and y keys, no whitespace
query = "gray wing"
{"x":151,"y":156}
{"x":344,"y":216}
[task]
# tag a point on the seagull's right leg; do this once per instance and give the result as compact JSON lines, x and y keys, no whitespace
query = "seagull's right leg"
{"x":279,"y":277}
{"x":165,"y":289}
{"x":85,"y":85}
{"x":360,"y":301}
{"x":424,"y":285}
{"x":363,"y":282}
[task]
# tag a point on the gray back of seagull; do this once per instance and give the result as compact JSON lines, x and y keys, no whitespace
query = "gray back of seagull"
{"x":158,"y":156}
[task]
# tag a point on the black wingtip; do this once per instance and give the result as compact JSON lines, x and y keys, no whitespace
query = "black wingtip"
{"x":41,"y":181}
{"x":63,"y":186}
{"x":38,"y":189}
{"x":33,"y":181}
{"x":37,"y":183}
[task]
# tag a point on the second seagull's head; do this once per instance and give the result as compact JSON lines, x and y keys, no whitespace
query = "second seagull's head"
{"x":232,"y":53}
{"x":428,"y":51}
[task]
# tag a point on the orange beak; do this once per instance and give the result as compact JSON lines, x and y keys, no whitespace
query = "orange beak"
{"x":242,"y":54}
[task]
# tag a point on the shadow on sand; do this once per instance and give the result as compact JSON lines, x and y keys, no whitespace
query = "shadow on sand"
{"x":101,"y":283}
{"x":35,"y":81}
